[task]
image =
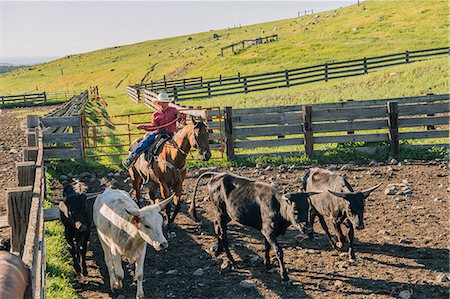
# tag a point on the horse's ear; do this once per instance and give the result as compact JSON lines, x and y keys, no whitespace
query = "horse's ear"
{"x":193,"y":119}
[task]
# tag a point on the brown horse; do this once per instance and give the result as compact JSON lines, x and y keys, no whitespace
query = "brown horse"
{"x":168,"y":170}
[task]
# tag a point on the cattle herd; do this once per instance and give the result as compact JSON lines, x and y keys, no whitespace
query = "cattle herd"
{"x":124,"y":229}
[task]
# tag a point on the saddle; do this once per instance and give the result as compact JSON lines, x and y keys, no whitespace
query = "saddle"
{"x":155,"y":149}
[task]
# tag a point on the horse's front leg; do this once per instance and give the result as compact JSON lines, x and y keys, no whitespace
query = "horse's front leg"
{"x":177,"y":201}
{"x":165,"y":193}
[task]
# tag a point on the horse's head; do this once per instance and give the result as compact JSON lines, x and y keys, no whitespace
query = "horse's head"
{"x":199,"y":139}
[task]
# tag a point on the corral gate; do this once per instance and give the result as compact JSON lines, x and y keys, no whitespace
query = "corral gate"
{"x":111,"y":135}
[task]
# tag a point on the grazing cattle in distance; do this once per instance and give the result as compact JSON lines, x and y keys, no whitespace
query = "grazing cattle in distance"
{"x":77,"y":223}
{"x":14,"y":276}
{"x":124,"y":231}
{"x":257,"y":205}
{"x":338,"y":202}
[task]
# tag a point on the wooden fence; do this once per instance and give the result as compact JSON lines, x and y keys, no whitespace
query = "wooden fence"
{"x":23,"y":100}
{"x":62,"y":135}
{"x":26,"y":210}
{"x":182,"y":90}
{"x":389,"y":120}
{"x":249,"y":42}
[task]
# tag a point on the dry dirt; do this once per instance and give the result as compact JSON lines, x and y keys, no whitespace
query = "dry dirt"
{"x":404,"y":247}
{"x":12,"y":142}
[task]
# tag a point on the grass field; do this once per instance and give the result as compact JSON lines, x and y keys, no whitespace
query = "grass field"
{"x":374,"y":28}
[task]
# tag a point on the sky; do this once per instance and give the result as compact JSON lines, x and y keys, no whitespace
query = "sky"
{"x":35,"y":31}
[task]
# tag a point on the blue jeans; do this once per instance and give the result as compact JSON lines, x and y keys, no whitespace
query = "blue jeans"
{"x":145,"y":143}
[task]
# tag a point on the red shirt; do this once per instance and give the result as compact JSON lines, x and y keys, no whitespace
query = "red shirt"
{"x":161,"y":118}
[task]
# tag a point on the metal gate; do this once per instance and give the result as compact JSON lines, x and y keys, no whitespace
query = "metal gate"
{"x":112,"y":135}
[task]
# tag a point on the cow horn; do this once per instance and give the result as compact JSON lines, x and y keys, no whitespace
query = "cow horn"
{"x":338,"y":194}
{"x":135,"y":213}
{"x":368,"y":191}
{"x":165,"y":202}
{"x":312,"y":192}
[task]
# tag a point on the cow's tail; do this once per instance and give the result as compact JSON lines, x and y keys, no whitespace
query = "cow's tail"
{"x":192,"y":211}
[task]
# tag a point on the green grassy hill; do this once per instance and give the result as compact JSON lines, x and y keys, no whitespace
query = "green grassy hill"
{"x":374,"y":28}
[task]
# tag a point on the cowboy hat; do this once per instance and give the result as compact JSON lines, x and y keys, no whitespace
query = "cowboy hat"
{"x":162,"y":97}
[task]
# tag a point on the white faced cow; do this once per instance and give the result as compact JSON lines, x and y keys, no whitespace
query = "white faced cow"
{"x":124,"y":231}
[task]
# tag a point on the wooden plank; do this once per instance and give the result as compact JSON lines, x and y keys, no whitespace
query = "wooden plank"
{"x":19,"y":204}
{"x":277,"y":109}
{"x":419,"y":109}
{"x":268,"y":143}
{"x":424,"y":134}
{"x":352,"y":138}
{"x":349,"y":126}
{"x":349,"y":113}
{"x":30,"y":153}
{"x":267,"y":119}
{"x":62,"y":153}
{"x":51,"y":214}
{"x":61,"y":137}
{"x":268,"y":131}
{"x":26,"y":172}
{"x":423,"y":121}
{"x":60,"y":121}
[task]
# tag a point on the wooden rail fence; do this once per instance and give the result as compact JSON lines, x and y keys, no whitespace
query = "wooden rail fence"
{"x":25,"y":206}
{"x":249,"y":42}
{"x":197,"y":89}
{"x":62,"y":134}
{"x":23,"y":100}
{"x":393,"y":120}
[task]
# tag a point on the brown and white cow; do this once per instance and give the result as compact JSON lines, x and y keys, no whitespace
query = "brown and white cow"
{"x":124,"y":231}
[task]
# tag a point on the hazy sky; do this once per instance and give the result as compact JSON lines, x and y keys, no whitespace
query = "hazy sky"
{"x":58,"y":28}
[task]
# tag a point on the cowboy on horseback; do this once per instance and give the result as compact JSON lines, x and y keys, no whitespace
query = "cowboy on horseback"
{"x":164,"y":119}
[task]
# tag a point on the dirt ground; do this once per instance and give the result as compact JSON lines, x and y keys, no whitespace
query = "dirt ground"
{"x":402,"y":251}
{"x":12,"y":142}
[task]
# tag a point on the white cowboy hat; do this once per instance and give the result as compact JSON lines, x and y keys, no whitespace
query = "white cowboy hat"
{"x":162,"y":97}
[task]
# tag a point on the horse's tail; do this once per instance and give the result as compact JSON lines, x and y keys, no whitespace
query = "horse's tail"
{"x":192,"y":210}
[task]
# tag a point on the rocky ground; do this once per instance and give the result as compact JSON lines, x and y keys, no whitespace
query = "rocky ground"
{"x":402,"y":252}
{"x":12,"y":142}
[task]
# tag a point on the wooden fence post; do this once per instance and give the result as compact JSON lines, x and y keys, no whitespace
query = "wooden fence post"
{"x":19,"y":204}
{"x":326,"y":72}
{"x":286,"y":73}
{"x":365,"y":65}
{"x":26,"y":172}
{"x":45,"y":97}
{"x":407,"y":56}
{"x":245,"y":85}
{"x":392,"y":109}
{"x":32,"y":137}
{"x":209,"y":90}
{"x":175,"y":93}
{"x":32,"y":121}
{"x":308,"y":130}
{"x":350,"y":132}
{"x":229,"y":132}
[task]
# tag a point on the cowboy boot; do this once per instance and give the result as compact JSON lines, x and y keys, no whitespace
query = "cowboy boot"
{"x":128,"y":162}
